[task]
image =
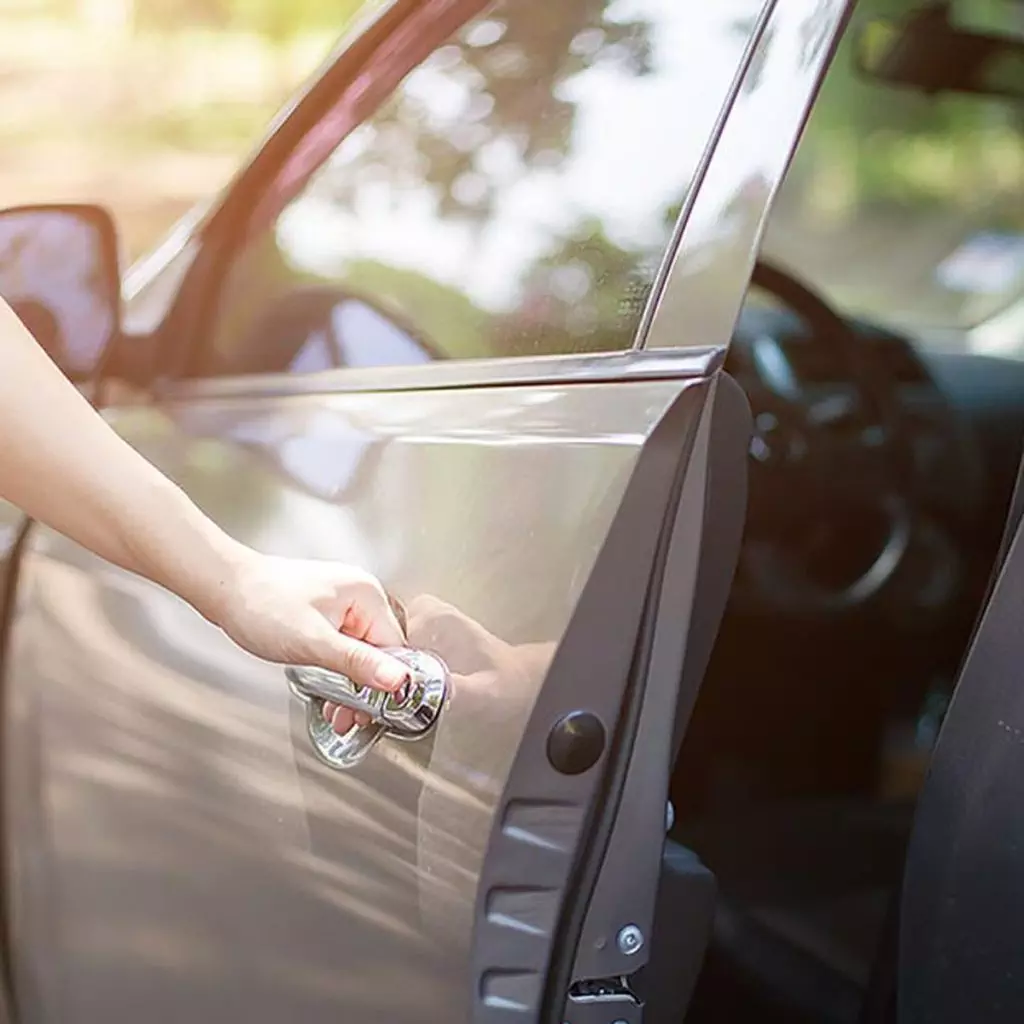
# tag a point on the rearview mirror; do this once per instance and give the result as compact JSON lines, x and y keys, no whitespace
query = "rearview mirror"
{"x":59,"y":272}
{"x":928,"y":53}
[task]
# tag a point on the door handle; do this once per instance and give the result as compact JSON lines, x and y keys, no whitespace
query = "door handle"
{"x":407,"y":714}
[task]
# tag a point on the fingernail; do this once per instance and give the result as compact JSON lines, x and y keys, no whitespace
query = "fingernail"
{"x":391,"y":676}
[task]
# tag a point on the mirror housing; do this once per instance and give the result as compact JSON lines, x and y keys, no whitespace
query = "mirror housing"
{"x":60,"y":272}
{"x":926,"y":52}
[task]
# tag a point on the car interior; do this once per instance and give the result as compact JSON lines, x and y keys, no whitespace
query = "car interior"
{"x":880,"y":351}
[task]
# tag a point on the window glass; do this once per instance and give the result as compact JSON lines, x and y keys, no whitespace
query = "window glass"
{"x":905,"y":207}
{"x":512,"y":197}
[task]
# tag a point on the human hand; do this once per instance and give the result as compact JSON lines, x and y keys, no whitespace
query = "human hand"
{"x":481,"y":663}
{"x":306,"y":612}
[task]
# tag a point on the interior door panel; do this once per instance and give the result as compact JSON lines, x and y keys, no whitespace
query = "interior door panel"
{"x":178,"y":851}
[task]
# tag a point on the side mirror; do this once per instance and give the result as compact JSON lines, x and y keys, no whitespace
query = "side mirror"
{"x":59,"y":271}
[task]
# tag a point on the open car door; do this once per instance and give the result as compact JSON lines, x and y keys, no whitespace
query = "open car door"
{"x":191,"y":842}
{"x":188,"y":842}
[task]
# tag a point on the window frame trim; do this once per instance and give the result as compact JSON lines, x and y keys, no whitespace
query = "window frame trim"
{"x":453,"y":374}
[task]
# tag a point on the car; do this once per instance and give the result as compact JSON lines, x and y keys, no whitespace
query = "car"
{"x":663,"y":361}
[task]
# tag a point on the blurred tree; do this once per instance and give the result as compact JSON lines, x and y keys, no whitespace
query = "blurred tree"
{"x":504,"y":107}
{"x":587,"y":288}
{"x":871,"y":143}
{"x":889,"y":182}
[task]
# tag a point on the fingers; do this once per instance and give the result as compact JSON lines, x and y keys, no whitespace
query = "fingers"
{"x":363,"y":663}
{"x":373,"y":619}
{"x":341,"y":719}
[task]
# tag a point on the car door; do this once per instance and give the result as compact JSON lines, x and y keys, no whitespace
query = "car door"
{"x":414,"y":340}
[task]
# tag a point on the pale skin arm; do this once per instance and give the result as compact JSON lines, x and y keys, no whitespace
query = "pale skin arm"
{"x":64,"y":466}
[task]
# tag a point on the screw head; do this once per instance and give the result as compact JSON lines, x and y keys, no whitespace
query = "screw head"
{"x":630,"y":940}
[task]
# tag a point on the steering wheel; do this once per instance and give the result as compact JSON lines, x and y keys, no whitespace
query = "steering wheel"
{"x":831,"y":519}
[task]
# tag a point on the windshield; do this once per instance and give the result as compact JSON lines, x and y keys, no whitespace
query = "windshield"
{"x":908,"y":209}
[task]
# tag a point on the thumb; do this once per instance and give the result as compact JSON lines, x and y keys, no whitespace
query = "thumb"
{"x":363,"y":663}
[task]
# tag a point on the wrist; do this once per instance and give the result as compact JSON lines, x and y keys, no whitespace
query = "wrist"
{"x":212,"y":588}
{"x":181,"y":549}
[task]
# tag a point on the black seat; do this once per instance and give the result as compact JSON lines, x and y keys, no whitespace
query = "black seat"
{"x":962,"y":918}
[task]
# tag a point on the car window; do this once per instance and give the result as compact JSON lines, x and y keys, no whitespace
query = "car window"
{"x":512,"y":197}
{"x":904,"y":207}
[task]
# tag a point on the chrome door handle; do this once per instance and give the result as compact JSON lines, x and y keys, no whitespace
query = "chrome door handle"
{"x":407,"y":714}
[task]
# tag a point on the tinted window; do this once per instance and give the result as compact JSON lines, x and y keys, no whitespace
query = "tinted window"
{"x":512,"y":197}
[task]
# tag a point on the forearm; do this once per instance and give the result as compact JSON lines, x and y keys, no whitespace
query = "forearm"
{"x":63,"y":465}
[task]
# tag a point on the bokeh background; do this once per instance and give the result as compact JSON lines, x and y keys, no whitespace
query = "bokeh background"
{"x":147,"y":105}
